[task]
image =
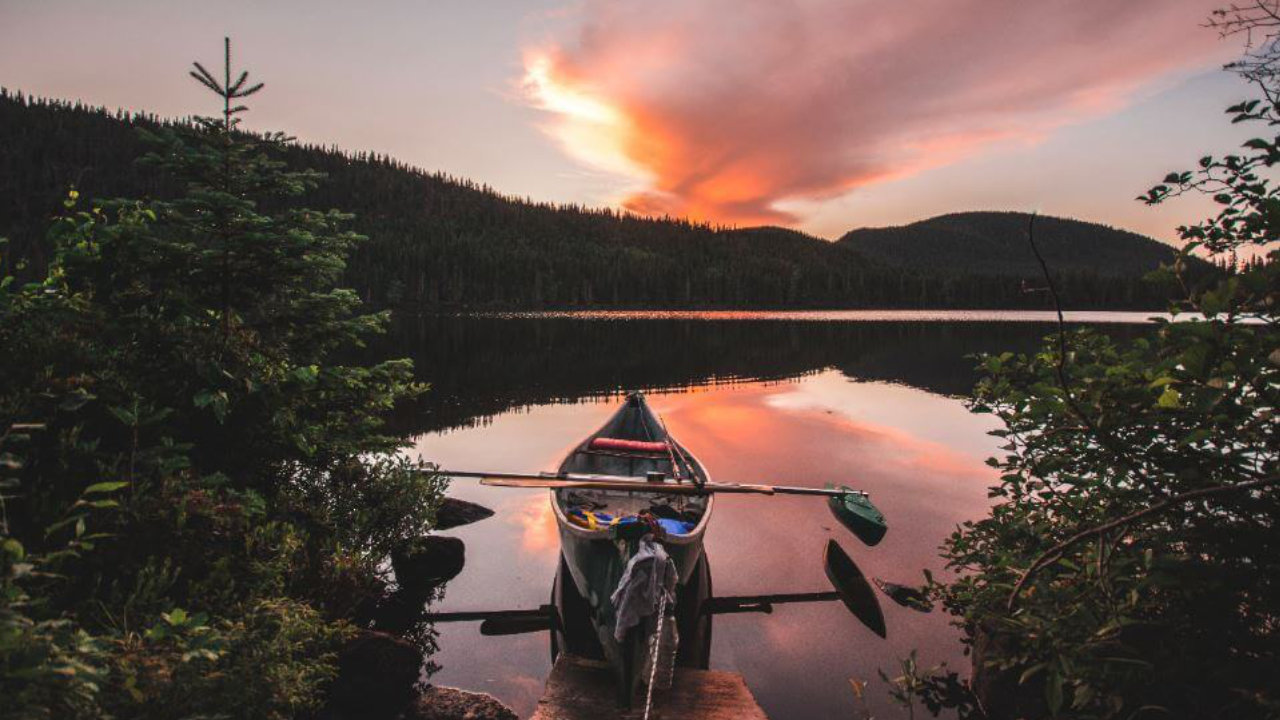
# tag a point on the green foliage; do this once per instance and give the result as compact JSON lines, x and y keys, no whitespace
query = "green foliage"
{"x":49,"y":666}
{"x":1131,"y":564}
{"x":272,"y":660}
{"x":187,"y":453}
{"x":935,"y":688}
{"x":372,"y":504}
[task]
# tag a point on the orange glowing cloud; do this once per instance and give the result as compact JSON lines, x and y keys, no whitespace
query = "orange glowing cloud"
{"x":724,"y":110}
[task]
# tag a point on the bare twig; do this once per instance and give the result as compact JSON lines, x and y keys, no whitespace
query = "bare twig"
{"x":1104,"y":438}
{"x":1259,"y":22}
{"x":1057,"y":302}
{"x":1052,"y":554}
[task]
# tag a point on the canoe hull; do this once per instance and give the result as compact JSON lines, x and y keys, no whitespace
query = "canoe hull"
{"x":580,"y":632}
{"x":595,"y":562}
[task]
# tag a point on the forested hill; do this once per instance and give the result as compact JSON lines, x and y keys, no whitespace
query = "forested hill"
{"x":971,"y":242}
{"x":438,"y":242}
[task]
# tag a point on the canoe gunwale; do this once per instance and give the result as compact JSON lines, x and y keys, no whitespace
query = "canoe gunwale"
{"x":694,"y":535}
{"x":580,"y":533}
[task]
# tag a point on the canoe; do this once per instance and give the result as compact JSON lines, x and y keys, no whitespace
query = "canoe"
{"x":632,"y":443}
{"x":856,"y":512}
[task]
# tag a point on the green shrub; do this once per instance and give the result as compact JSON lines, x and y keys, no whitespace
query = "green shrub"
{"x":1131,"y":565}
{"x":273,"y":661}
{"x":197,"y":488}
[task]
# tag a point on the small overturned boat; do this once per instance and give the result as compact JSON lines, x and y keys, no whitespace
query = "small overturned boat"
{"x":601,"y":530}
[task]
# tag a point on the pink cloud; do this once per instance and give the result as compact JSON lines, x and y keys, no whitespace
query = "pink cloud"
{"x":723,"y":109}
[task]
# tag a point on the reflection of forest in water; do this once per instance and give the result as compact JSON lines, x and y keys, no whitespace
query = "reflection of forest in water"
{"x":481,"y":366}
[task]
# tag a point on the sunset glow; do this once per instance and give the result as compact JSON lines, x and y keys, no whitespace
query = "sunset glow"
{"x":587,"y":127}
{"x":822,"y":115}
{"x":727,"y":110}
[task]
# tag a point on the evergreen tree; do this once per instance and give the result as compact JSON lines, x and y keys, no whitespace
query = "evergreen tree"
{"x":197,"y":486}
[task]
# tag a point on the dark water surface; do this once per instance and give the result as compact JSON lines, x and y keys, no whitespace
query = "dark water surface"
{"x":873,"y":402}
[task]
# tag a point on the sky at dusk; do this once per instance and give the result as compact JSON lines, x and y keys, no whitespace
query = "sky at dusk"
{"x":823,"y":115}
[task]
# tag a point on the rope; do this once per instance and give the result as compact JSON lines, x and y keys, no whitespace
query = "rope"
{"x":653,"y":653}
{"x":671,"y":453}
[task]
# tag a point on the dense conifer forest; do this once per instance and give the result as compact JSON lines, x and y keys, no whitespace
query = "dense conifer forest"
{"x":438,"y":242}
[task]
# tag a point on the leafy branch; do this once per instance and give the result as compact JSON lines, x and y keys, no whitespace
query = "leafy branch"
{"x":1054,"y":553}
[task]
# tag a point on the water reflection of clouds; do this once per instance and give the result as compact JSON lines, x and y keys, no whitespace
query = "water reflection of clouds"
{"x":527,"y":440}
{"x":538,"y":532}
{"x":919,"y":454}
{"x":890,"y":450}
{"x":922,"y":415}
{"x":511,"y":668}
{"x":877,"y":428}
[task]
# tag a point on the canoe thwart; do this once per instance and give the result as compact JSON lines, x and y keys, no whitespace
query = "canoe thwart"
{"x":636,"y":483}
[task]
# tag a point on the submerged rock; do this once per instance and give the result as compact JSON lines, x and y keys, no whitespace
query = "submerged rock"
{"x":403,"y":611}
{"x":377,"y":676}
{"x":424,"y":562}
{"x":454,"y":513}
{"x":446,"y":703}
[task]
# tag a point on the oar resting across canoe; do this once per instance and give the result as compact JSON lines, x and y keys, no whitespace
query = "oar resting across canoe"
{"x":852,"y":507}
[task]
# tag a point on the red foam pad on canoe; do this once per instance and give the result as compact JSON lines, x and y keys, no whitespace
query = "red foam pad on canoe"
{"x":603,"y":443}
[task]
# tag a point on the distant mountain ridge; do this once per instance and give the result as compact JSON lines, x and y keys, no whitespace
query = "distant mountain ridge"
{"x":438,"y":243}
{"x":996,"y":242}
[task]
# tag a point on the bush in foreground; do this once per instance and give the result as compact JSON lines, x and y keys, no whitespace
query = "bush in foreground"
{"x":196,"y":491}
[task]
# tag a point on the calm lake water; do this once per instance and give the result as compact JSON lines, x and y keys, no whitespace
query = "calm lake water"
{"x":873,"y":400}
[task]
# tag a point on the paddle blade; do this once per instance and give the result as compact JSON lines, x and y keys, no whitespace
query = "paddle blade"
{"x":856,"y":512}
{"x":907,"y":597}
{"x":854,"y":590}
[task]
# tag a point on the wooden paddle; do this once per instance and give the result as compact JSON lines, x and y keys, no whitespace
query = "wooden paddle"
{"x":852,"y":585}
{"x":502,"y":622}
{"x":635,"y":484}
{"x":851,"y":588}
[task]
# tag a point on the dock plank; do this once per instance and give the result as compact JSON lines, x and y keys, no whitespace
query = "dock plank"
{"x":581,"y":689}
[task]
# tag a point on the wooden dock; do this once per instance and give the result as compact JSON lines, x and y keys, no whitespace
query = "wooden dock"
{"x":580,"y":689}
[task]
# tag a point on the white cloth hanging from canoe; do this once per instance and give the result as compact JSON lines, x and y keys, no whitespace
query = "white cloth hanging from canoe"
{"x":649,"y":574}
